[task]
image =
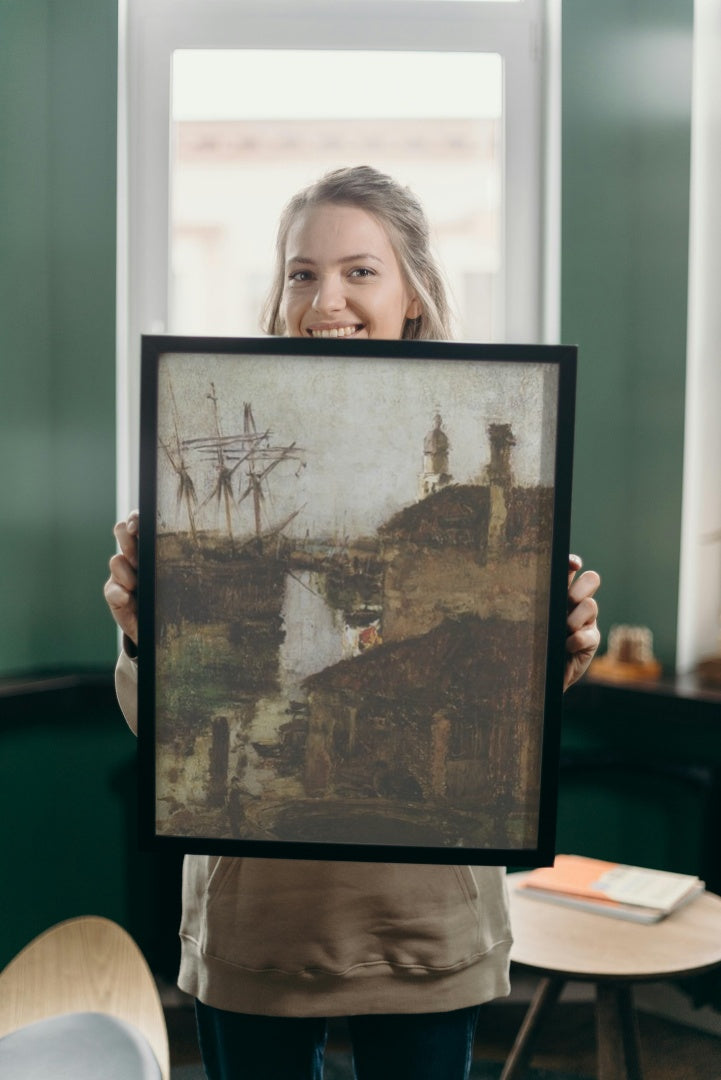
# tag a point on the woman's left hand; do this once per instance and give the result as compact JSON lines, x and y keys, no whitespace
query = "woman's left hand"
{"x":583,"y":635}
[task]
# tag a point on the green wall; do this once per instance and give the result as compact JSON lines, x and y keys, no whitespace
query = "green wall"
{"x":68,"y":800}
{"x":67,"y":761}
{"x":58,"y":72}
{"x":625,"y":201}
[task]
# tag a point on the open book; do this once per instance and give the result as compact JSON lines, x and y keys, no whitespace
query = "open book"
{"x":608,"y":888}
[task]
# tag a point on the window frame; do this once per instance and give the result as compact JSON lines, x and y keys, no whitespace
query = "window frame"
{"x":526,"y":34}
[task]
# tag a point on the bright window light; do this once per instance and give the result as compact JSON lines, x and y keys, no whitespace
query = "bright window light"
{"x":227,"y":84}
{"x":251,"y":127}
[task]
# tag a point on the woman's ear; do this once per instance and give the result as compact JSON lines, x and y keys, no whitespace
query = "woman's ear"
{"x":415,"y":309}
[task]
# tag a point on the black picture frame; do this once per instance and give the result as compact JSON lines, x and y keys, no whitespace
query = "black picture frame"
{"x":353,"y":562}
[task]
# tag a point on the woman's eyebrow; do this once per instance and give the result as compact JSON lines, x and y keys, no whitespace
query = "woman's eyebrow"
{"x":361,"y":257}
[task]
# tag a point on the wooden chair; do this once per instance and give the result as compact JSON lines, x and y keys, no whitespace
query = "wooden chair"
{"x":82,"y":985}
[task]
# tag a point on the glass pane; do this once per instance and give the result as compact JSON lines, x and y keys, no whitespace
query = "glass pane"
{"x":250,"y":128}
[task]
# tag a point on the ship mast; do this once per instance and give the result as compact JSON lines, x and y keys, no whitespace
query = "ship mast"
{"x":254,"y":481}
{"x":225,"y":475}
{"x":186,"y":487}
{"x":228,"y":452}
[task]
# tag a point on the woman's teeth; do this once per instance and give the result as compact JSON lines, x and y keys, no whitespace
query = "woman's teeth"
{"x":337,"y":331}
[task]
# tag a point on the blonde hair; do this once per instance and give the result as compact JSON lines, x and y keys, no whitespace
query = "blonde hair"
{"x":403,"y":217}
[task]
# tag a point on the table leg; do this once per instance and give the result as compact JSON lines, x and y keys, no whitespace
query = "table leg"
{"x":545,"y":997}
{"x":617,"y":1033}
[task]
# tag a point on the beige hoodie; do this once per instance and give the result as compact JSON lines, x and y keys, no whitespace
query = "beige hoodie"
{"x":285,"y":937}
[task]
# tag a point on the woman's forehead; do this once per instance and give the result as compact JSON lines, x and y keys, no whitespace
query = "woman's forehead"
{"x":326,"y":230}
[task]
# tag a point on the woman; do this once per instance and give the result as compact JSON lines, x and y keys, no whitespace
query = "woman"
{"x":271,"y":948}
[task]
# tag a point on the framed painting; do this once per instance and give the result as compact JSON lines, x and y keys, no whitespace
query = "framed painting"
{"x":352,"y":597}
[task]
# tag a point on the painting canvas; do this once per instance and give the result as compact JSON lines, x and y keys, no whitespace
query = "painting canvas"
{"x":353,"y":563}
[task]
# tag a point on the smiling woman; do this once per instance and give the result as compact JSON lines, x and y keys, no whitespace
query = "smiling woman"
{"x":271,"y":946}
{"x":353,"y":260}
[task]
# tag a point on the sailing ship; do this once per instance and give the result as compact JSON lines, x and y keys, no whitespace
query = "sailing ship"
{"x":238,"y":563}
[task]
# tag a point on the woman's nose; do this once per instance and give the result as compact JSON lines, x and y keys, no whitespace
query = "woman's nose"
{"x":329,"y":296}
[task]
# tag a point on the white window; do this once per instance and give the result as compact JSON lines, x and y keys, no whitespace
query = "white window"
{"x":236,"y":159}
{"x":699,"y":623}
{"x":227,"y":107}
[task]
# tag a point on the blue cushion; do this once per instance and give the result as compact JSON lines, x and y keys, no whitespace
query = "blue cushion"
{"x":78,"y":1046}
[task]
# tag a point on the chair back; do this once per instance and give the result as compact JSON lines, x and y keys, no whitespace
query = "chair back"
{"x":87,"y":964}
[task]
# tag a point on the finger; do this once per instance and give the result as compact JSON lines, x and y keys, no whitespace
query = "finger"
{"x":583,"y":614}
{"x":575,"y":562}
{"x":585,"y":585}
{"x":123,"y":573}
{"x":118,"y":598}
{"x":123,"y":608}
{"x":583,"y":641}
{"x":126,"y":534}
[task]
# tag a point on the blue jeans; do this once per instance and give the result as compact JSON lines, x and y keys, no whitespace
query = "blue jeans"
{"x":414,"y":1046}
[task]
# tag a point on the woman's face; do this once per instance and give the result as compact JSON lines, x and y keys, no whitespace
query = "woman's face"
{"x":342,"y":277}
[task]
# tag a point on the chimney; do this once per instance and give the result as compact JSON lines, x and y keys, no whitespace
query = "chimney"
{"x":500,"y":481}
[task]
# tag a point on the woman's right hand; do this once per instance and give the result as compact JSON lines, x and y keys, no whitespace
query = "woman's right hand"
{"x":121,"y":587}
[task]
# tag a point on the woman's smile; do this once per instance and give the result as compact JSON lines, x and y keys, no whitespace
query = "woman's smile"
{"x":335,"y":331}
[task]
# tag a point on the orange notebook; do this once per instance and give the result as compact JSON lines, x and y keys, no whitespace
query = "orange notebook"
{"x":631,"y":892}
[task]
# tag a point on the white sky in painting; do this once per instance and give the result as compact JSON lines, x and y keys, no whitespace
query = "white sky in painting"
{"x":361,"y":427}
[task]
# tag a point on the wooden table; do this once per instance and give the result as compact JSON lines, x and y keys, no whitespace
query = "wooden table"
{"x":563,"y":944}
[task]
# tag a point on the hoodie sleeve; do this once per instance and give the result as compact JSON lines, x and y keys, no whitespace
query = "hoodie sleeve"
{"x":126,"y":688}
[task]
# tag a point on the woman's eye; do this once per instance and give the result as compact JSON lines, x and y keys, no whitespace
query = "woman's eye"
{"x":362,"y":272}
{"x":300,"y":276}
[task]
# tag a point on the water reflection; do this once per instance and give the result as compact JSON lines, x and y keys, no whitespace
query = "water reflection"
{"x":232,"y":714}
{"x":314,"y":631}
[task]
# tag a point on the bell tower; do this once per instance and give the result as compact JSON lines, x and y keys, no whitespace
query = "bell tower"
{"x":435,"y":473}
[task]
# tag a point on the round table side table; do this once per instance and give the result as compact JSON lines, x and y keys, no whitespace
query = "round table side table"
{"x":564,"y":944}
